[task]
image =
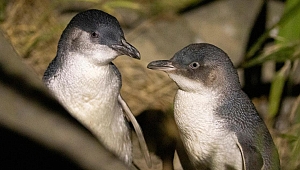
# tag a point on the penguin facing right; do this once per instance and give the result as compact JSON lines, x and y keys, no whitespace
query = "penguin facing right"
{"x":218,"y":123}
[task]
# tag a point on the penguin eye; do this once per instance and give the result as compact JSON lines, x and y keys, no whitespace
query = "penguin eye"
{"x":194,"y":65}
{"x":94,"y":35}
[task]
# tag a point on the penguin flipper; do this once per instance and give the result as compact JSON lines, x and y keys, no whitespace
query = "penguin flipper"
{"x":252,"y":158}
{"x":137,"y":129}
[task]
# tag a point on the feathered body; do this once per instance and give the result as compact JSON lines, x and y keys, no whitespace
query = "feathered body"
{"x":218,"y":123}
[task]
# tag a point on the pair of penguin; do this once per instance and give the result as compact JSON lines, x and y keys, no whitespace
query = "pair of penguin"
{"x":218,"y":124}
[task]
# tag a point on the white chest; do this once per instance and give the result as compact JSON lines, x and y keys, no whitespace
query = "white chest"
{"x":86,"y":88}
{"x":90,"y":94}
{"x":206,"y":139}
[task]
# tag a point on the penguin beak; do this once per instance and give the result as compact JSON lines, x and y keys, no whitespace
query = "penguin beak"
{"x":126,"y":49}
{"x":163,"y":65}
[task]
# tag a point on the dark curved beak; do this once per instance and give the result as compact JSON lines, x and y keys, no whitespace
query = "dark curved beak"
{"x":126,"y":49}
{"x":163,"y":65}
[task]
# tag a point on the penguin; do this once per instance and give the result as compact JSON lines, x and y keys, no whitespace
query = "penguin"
{"x":86,"y":82}
{"x":218,"y":124}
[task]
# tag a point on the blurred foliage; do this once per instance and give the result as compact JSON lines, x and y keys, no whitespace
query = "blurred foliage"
{"x":285,"y":49}
{"x":110,"y":5}
{"x":169,"y":6}
{"x":2,"y":9}
{"x":287,"y":42}
{"x":277,"y":88}
{"x":293,"y":140}
{"x":148,"y":8}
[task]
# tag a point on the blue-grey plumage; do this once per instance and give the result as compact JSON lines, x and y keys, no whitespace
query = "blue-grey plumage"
{"x":218,"y":123}
{"x":86,"y":82}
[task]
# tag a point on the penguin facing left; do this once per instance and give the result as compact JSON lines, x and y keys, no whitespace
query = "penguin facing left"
{"x":218,"y":123}
{"x":86,"y":82}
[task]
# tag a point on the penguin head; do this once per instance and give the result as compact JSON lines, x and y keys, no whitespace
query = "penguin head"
{"x":96,"y":34}
{"x":200,"y":66}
